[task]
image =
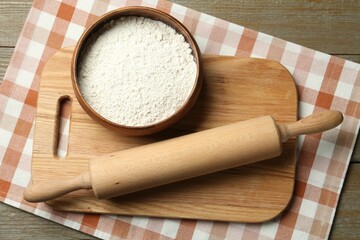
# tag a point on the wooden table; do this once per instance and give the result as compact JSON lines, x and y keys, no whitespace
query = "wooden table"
{"x":326,"y":25}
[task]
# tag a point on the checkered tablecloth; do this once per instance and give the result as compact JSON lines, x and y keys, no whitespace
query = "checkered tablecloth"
{"x":323,"y":82}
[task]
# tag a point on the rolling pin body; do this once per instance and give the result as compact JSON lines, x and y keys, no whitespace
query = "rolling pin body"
{"x":184,"y":157}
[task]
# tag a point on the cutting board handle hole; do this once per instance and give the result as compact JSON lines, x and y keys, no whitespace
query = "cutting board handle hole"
{"x":62,"y":126}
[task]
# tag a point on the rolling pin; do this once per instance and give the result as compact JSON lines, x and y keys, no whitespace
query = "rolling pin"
{"x":184,"y":157}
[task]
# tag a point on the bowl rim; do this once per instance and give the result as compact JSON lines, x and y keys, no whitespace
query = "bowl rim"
{"x":154,"y":14}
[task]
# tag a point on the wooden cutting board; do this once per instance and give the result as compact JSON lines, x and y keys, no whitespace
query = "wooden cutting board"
{"x":234,"y":89}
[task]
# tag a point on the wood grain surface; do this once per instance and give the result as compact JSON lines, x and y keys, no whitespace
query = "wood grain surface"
{"x":219,"y":104}
{"x":331,"y":26}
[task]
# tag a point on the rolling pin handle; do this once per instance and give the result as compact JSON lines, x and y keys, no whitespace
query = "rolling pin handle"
{"x":48,"y":190}
{"x":315,"y":123}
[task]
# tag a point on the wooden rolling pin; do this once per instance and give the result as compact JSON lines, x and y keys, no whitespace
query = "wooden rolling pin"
{"x":184,"y":157}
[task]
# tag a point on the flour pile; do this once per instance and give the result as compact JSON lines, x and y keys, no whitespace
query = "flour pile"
{"x":136,"y":71}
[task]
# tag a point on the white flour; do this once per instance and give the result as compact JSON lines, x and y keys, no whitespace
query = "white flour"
{"x":137,"y":71}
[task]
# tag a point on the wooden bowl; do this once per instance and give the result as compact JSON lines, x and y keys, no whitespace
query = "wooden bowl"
{"x":156,"y":15}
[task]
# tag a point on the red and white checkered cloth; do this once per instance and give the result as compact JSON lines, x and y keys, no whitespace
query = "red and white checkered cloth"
{"x":323,"y":82}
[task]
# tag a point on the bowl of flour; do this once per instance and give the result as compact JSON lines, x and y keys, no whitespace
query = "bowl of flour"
{"x":136,"y":70}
